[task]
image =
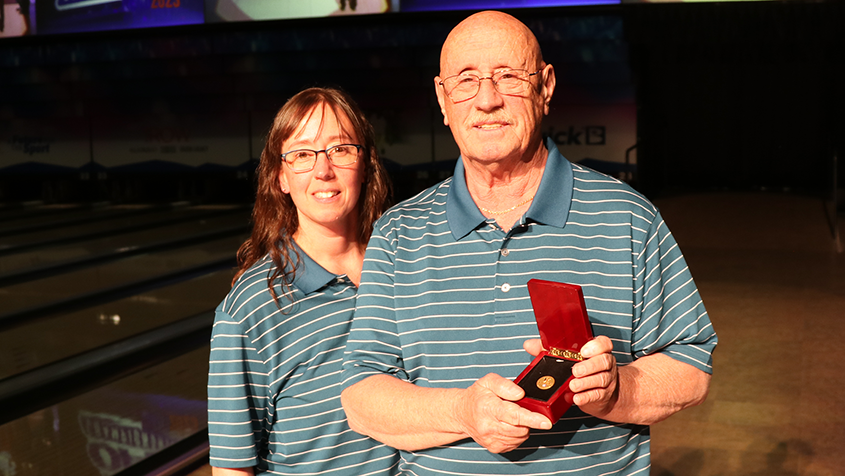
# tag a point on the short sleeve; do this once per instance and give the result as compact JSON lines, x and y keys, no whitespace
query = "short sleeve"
{"x":237,"y":396}
{"x":374,"y":346}
{"x":669,"y":316}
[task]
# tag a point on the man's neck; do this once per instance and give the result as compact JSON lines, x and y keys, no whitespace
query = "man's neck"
{"x":503,"y":190}
{"x":504,"y":171}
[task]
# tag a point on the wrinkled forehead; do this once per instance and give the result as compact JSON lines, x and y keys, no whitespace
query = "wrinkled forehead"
{"x":489,"y":42}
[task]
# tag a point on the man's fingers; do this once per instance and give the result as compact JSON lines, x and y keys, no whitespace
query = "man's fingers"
{"x":514,"y":415}
{"x":600,"y":380}
{"x":533,"y":346}
{"x":508,"y":412}
{"x":529,"y":419}
{"x":590,"y":396}
{"x":504,"y":445}
{"x":594,"y":365}
{"x":599,"y":345}
{"x":502,"y":387}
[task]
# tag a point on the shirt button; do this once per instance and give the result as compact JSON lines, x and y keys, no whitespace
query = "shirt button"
{"x":506,"y":287}
{"x":505,"y":251}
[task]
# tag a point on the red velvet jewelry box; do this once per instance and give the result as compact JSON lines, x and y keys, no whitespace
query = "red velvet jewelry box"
{"x":561,"y":316}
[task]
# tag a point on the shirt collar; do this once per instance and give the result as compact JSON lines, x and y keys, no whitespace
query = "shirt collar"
{"x":549,"y":207}
{"x":554,"y":196}
{"x":310,"y":276}
{"x":461,"y":212}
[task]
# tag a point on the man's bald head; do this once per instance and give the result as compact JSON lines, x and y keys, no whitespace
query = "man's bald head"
{"x":494,"y":30}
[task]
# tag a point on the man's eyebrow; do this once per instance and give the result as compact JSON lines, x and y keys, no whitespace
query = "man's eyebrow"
{"x":494,"y":70}
{"x":467,"y":71}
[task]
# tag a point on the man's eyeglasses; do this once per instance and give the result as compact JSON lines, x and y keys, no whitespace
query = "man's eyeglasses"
{"x":303,"y":160}
{"x":511,"y":82}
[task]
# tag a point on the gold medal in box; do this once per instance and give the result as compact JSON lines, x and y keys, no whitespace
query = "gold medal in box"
{"x":564,"y":327}
{"x":545,"y":382}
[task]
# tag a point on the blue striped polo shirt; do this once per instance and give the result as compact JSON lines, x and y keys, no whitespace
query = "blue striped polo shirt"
{"x":274,"y":378}
{"x":443,"y":301}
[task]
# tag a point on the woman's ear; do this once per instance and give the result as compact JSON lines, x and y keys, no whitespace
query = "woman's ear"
{"x":283,"y":182}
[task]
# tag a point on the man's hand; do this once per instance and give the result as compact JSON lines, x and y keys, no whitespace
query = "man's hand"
{"x":486,"y":413}
{"x":596,"y":382}
{"x":644,"y":392}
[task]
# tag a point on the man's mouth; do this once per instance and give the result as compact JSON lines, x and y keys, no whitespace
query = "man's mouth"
{"x":490,"y":123}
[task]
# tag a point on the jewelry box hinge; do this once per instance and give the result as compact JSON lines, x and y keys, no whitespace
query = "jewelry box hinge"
{"x":566,"y":354}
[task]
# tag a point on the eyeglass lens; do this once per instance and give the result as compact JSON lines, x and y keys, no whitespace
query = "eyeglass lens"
{"x":305,"y":159}
{"x":465,"y":86}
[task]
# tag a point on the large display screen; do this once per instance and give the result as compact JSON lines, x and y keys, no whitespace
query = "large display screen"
{"x":247,"y":10}
{"x":443,"y":5}
{"x":31,"y":17}
{"x":41,"y":17}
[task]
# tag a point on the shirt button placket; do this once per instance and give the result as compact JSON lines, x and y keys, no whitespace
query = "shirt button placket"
{"x":505,"y":252}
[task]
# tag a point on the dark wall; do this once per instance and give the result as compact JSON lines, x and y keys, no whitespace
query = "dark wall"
{"x":225,"y":70}
{"x":738,"y":96}
{"x":387,"y":63}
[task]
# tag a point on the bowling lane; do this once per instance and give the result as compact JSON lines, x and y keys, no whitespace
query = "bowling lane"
{"x":120,"y":224}
{"x":52,"y":289}
{"x":120,"y":243}
{"x":43,"y":341}
{"x":61,"y":214}
{"x":11,"y":214}
{"x":107,"y":430}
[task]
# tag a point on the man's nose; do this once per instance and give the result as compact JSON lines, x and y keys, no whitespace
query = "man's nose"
{"x":488,"y":96}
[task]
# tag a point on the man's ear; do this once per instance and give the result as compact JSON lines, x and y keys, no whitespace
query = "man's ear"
{"x":441,"y":99}
{"x":548,"y":87}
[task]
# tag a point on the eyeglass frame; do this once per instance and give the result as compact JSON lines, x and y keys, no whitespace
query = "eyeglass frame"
{"x":282,"y":156}
{"x":480,"y":78}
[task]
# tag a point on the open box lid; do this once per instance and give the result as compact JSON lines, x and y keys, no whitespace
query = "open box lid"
{"x":561,"y":316}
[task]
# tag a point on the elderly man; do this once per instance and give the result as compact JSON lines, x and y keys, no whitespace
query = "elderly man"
{"x":444,"y":319}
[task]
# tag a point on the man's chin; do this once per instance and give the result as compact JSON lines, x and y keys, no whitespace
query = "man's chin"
{"x":490,"y":157}
{"x":493,"y":150}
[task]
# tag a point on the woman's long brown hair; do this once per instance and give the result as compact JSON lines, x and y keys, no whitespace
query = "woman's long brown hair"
{"x":274,"y":213}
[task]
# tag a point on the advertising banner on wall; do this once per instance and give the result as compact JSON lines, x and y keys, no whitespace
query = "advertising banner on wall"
{"x":191,"y":140}
{"x":598,"y":129}
{"x":47,"y":141}
{"x":593,"y":131}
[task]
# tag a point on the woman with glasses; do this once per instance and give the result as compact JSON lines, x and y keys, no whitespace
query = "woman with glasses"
{"x":280,"y":333}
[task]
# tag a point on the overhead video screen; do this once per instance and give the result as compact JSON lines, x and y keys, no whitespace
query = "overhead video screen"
{"x":692,"y":1}
{"x":31,"y":17}
{"x":247,"y":10}
{"x":443,"y":5}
